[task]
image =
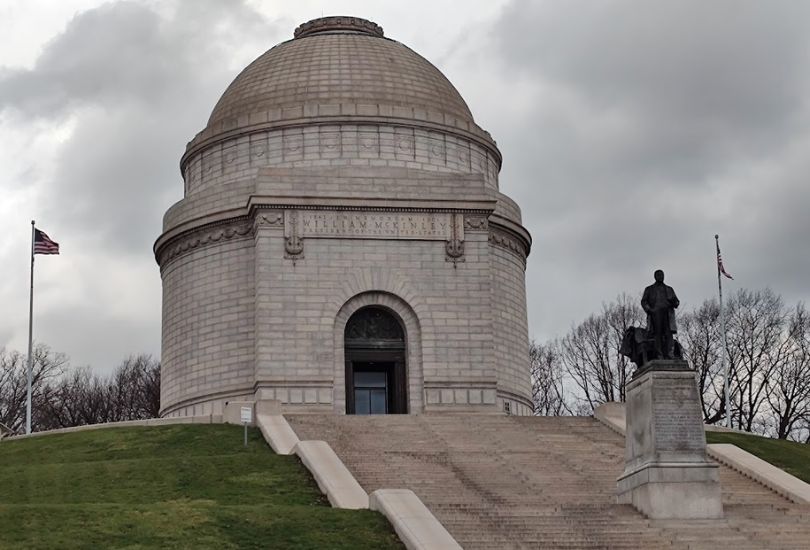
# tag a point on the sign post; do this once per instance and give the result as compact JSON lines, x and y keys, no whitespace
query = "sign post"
{"x":247,"y":417}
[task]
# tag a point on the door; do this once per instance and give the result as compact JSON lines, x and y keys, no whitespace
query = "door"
{"x":373,"y":386}
{"x":376,"y":380}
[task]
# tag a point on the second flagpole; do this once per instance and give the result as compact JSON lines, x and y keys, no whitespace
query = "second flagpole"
{"x":30,"y":334}
{"x":723,"y":362}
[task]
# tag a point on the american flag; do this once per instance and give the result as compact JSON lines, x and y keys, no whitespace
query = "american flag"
{"x":43,"y":244}
{"x":720,"y":268}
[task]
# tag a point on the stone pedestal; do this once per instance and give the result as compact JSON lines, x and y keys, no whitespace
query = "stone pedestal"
{"x":667,"y":474}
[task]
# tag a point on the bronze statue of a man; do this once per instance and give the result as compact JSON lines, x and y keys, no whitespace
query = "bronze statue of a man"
{"x":659,"y":302}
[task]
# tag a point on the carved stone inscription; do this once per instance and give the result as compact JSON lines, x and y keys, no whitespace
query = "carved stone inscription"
{"x":677,"y":428}
{"x":362,"y":225}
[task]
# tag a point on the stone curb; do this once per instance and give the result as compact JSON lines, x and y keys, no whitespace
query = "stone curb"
{"x":413,"y":522}
{"x":332,"y":476}
{"x":278,"y":433}
{"x":204,"y":419}
{"x":417,"y":528}
{"x":612,"y":416}
{"x":751,"y":466}
{"x":779,"y":481}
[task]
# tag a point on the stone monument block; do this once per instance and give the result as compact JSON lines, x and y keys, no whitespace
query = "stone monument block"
{"x":667,"y":473}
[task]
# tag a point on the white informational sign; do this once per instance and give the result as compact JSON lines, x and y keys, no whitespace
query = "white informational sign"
{"x":247,"y":415}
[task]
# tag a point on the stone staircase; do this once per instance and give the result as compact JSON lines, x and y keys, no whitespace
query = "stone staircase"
{"x":499,"y":482}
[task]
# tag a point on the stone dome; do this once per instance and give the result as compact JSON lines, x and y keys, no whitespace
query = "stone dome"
{"x":339,"y":60}
{"x":339,"y":68}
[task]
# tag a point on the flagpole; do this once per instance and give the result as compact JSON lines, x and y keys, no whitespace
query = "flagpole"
{"x":723,"y":362}
{"x":30,"y":334}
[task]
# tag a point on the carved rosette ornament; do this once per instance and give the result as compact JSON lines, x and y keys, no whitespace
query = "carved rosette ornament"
{"x":293,"y":243}
{"x":476,"y":223}
{"x":455,"y":244}
{"x":272,"y":218}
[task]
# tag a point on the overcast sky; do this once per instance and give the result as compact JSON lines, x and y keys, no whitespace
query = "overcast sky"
{"x":632,"y":132}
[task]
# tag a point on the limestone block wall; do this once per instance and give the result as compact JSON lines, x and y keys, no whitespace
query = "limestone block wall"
{"x":510,"y":328}
{"x":373,"y":184}
{"x":299,"y":351}
{"x":371,"y":145}
{"x":241,"y":314}
{"x":208,"y":326}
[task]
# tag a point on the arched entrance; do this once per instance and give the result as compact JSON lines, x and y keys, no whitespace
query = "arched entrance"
{"x":376,"y":382}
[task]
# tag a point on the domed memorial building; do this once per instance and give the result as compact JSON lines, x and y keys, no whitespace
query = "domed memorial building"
{"x":343,"y":244}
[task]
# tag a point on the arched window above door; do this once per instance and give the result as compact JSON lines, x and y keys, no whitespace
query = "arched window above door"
{"x":374,"y":327}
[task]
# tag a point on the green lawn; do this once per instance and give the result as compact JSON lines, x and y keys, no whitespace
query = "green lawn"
{"x":792,"y":457}
{"x":179,"y":486}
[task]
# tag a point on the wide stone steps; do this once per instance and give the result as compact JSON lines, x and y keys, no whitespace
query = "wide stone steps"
{"x":533,"y":482}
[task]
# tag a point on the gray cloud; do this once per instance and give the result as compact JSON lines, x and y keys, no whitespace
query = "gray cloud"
{"x":102,"y":338}
{"x":677,"y":84}
{"x":138,"y":84}
{"x":99,"y":60}
{"x":632,"y":132}
{"x":133,"y":83}
{"x":729,"y":63}
{"x":648,"y":127}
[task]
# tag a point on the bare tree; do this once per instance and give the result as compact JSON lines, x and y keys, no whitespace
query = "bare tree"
{"x":756,"y":347}
{"x":135,"y":387}
{"x":702,"y":345}
{"x":77,"y":398}
{"x":621,"y":315}
{"x":47,"y":366}
{"x":590,"y":353}
{"x":547,"y":378}
{"x":130,"y":392}
{"x":788,"y":386}
{"x":150,"y":386}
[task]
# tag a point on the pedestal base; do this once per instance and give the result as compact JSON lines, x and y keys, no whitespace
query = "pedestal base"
{"x":667,"y":473}
{"x":673,"y":491}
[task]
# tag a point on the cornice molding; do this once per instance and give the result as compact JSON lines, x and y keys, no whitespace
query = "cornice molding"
{"x":353,"y":208}
{"x":273,"y":216}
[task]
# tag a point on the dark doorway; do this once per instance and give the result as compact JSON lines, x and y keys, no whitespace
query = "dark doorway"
{"x":376,"y":382}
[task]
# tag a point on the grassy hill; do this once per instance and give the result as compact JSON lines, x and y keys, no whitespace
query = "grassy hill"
{"x":792,"y":457}
{"x":179,"y":486}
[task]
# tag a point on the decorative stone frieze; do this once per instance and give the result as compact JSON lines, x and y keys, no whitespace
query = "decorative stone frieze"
{"x":337,"y":24}
{"x":205,"y":236}
{"x":507,"y":240}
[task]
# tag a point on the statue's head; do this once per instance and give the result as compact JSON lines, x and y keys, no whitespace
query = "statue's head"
{"x":659,"y":276}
